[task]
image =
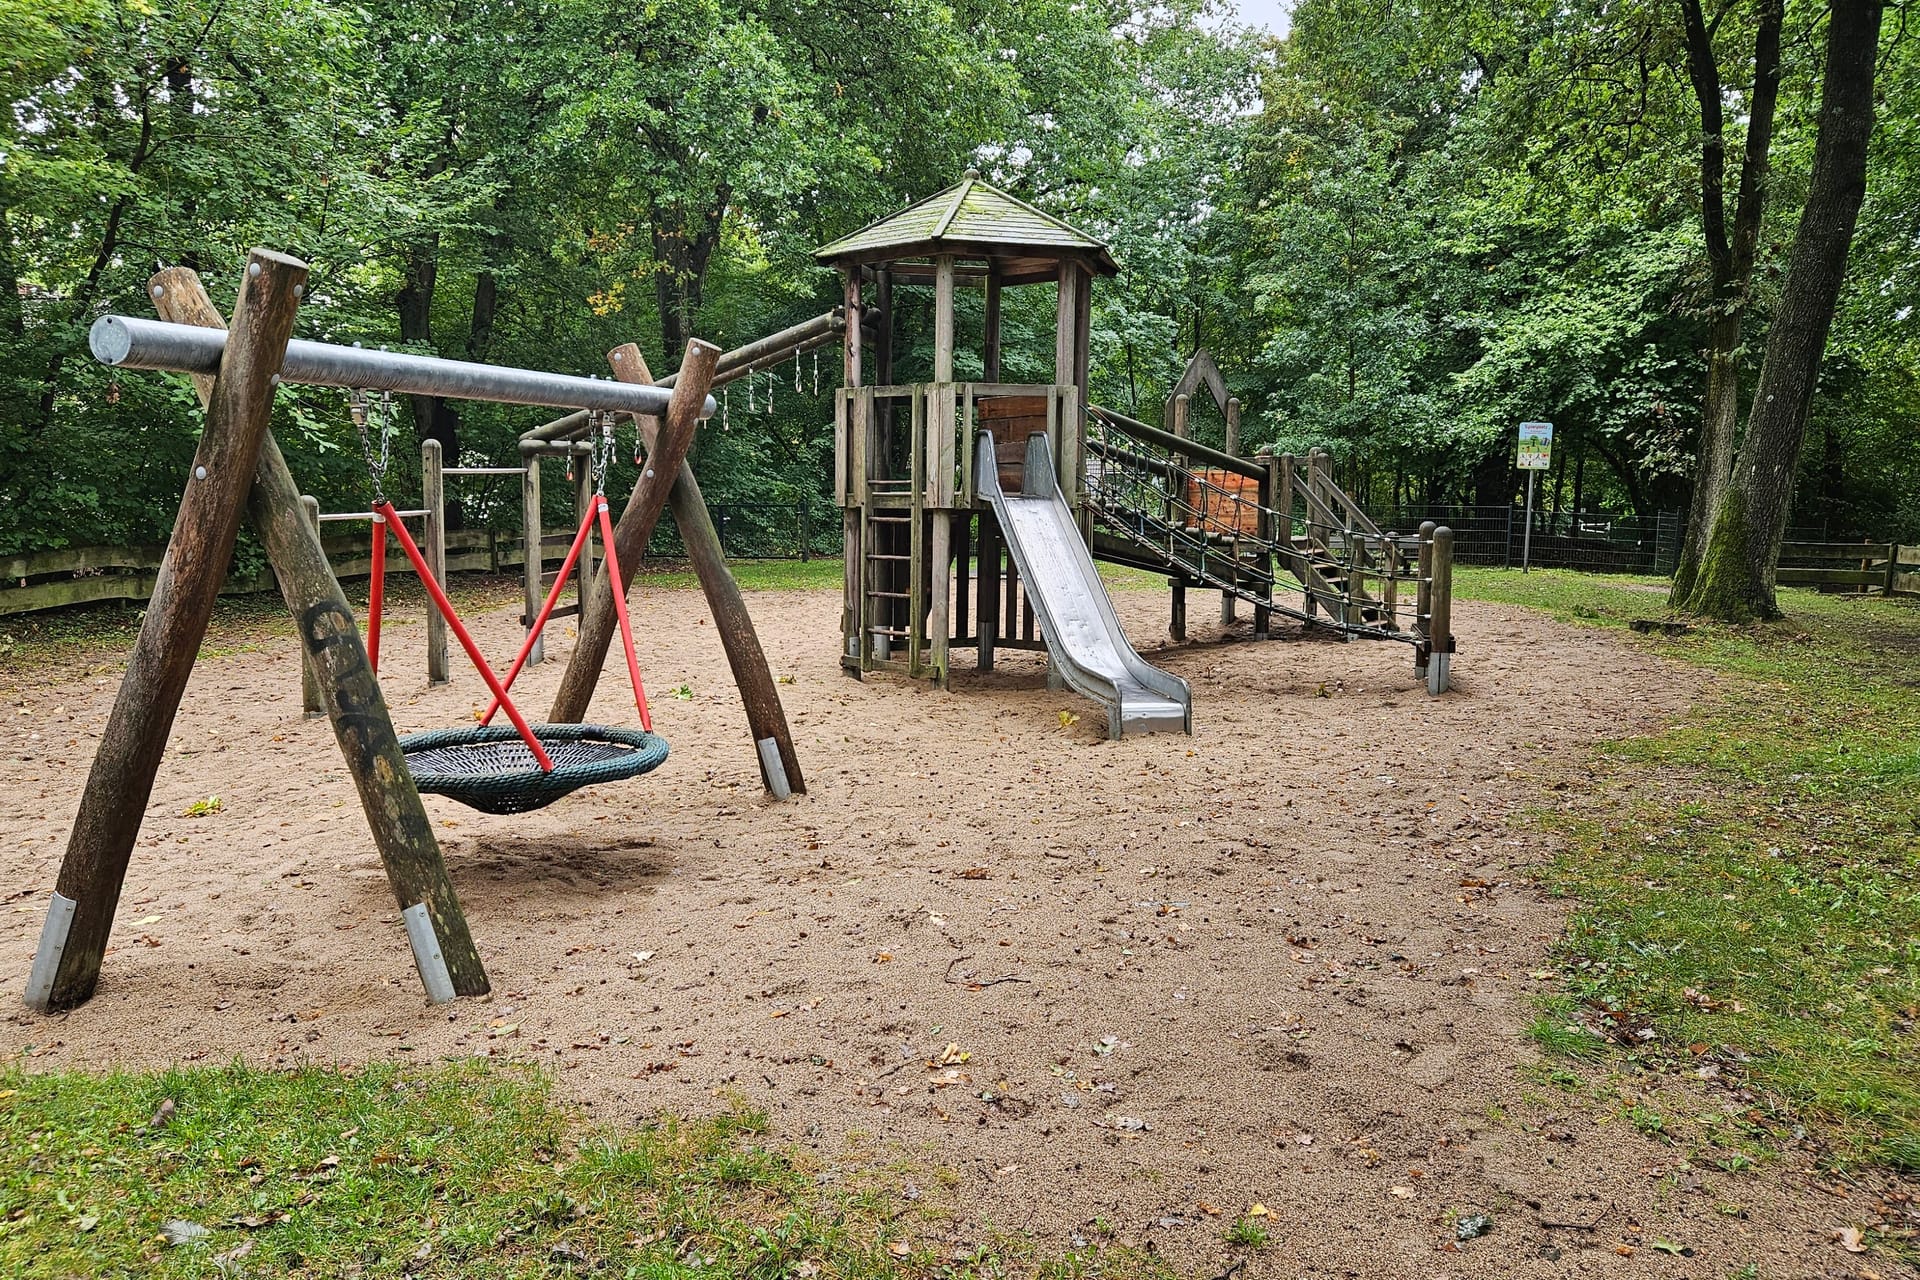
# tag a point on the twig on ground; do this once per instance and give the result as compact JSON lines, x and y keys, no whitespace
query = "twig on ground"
{"x":974,"y":984}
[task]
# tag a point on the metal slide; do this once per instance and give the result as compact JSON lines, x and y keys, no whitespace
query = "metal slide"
{"x":1084,"y":642}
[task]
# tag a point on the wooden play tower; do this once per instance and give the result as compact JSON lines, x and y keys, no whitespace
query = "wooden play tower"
{"x":903,"y":461}
{"x":942,"y":556}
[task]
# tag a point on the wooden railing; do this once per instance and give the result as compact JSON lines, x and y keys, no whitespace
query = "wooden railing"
{"x":1885,"y":568}
{"x":86,"y":575}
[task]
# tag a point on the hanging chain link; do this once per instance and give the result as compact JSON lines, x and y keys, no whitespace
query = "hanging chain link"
{"x":360,"y":406}
{"x":600,"y":430}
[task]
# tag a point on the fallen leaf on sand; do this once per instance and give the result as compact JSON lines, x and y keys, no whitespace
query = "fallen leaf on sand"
{"x":1852,"y":1239}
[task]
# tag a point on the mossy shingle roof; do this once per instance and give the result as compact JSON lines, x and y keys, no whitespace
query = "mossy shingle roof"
{"x":974,"y":218}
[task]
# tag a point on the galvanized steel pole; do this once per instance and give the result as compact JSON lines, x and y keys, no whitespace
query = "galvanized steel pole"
{"x":128,"y":342}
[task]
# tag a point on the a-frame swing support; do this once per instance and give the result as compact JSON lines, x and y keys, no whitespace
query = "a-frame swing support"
{"x":667,"y":483}
{"x":238,"y":469}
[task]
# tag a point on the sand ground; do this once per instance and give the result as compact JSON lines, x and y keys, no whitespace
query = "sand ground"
{"x":1064,"y":985}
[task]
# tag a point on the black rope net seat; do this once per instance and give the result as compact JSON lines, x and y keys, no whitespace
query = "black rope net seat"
{"x":490,"y":768}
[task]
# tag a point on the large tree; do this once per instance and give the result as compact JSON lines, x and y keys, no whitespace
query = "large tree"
{"x":1736,"y":578}
{"x":1731,"y":242}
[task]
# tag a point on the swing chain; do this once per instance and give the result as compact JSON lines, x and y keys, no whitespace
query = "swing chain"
{"x":600,"y":431}
{"x":360,"y":406}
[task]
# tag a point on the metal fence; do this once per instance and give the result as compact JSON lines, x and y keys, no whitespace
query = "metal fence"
{"x":1596,"y":541}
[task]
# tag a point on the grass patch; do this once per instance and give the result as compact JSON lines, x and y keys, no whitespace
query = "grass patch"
{"x":463,"y":1171}
{"x":754,"y":575}
{"x":1748,"y":879}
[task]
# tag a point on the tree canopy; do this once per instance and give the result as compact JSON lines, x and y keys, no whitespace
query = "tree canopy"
{"x":1399,"y":230}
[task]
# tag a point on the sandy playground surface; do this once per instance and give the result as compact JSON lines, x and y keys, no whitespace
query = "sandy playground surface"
{"x":1059,"y":981}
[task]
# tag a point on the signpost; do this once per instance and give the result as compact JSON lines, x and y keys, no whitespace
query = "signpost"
{"x":1536,"y":455}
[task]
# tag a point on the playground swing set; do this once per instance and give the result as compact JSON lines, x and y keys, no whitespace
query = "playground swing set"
{"x":973,"y":513}
{"x":238,"y":471}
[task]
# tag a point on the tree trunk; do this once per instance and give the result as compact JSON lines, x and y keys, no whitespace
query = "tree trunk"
{"x":433,"y":417}
{"x":13,"y":318}
{"x":1730,"y":259}
{"x":682,"y":246}
{"x":1736,"y":581}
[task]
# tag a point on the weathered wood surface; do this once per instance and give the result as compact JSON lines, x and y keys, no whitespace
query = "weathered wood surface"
{"x":636,"y":526}
{"x":135,"y":740}
{"x":468,"y":551}
{"x":330,"y":640}
{"x":752,"y":676}
{"x":532,"y":563}
{"x":433,"y":496}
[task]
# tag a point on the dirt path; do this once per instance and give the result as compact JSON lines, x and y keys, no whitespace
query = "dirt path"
{"x":1287,"y":961}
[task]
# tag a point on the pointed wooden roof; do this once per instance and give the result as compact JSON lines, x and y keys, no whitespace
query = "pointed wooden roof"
{"x":973,"y":220}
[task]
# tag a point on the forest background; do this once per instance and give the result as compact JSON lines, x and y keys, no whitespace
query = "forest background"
{"x":1399,"y":230}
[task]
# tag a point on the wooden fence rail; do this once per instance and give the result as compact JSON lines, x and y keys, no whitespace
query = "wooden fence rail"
{"x":1885,"y":568}
{"x":85,"y":575}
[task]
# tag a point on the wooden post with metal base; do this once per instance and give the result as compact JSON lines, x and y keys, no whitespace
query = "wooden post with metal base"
{"x":766,"y":718}
{"x":238,"y":469}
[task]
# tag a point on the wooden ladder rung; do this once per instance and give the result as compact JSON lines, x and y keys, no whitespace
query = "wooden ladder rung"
{"x":875,"y":555}
{"x":890,"y":595}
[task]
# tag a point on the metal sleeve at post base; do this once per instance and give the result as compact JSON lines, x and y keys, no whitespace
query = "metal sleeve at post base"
{"x":1440,"y":635}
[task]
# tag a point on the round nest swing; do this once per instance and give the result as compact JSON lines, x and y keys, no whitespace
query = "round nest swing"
{"x":489,"y":768}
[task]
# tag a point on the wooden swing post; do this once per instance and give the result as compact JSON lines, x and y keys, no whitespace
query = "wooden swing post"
{"x":636,"y":526}
{"x":766,"y":718}
{"x":241,"y":461}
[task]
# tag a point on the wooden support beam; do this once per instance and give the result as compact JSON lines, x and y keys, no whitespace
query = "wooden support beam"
{"x":987,"y":613}
{"x":636,"y":526}
{"x":100,"y":846}
{"x":854,"y":548}
{"x":240,"y":460}
{"x":1066,"y":318}
{"x":312,"y":701}
{"x":402,"y":832}
{"x":433,"y":496}
{"x":1440,"y":652}
{"x":990,"y":340}
{"x":883,"y":327}
{"x":943,"y":318}
{"x":1233,"y":426}
{"x":533,"y":565}
{"x":766,"y":717}
{"x":581,"y":469}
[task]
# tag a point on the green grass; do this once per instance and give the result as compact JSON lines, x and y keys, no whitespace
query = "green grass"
{"x":757,"y":575}
{"x":1748,"y":880}
{"x":456,"y":1172}
{"x":1246,"y":1233}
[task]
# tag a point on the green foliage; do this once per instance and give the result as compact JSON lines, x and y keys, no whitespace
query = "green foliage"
{"x":1396,"y":238}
